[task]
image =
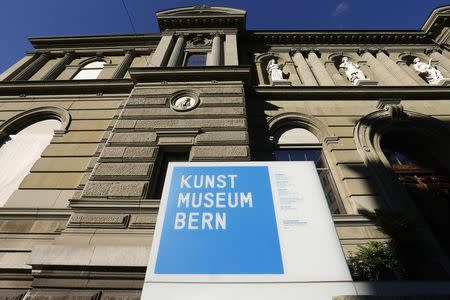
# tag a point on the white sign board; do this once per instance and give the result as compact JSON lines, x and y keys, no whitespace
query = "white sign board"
{"x":240,"y":225}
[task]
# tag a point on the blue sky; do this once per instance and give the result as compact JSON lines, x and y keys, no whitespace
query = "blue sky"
{"x":20,"y":19}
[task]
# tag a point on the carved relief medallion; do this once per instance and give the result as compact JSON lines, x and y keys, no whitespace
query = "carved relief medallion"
{"x":183,"y":103}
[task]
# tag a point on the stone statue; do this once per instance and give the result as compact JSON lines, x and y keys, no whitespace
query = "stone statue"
{"x":432,"y":75}
{"x":274,"y":70}
{"x":354,"y":74}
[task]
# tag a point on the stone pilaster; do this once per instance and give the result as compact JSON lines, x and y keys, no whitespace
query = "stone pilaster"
{"x":379,"y":70}
{"x":177,"y":51}
{"x":231,"y":51}
{"x":59,"y":67}
{"x":443,"y":61}
{"x":162,"y":52}
{"x":122,"y":68}
{"x":26,"y":73}
{"x":304,"y":72}
{"x":395,"y":69}
{"x":216,"y":51}
{"x":335,"y":75}
{"x":319,"y":70}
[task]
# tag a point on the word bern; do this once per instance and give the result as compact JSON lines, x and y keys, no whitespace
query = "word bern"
{"x":208,"y":196}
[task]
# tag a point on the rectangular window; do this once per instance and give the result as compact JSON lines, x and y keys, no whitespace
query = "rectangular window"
{"x":164,"y":157}
{"x":195,"y":60}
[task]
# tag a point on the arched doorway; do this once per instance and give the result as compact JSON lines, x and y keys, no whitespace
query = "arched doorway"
{"x":418,"y":168}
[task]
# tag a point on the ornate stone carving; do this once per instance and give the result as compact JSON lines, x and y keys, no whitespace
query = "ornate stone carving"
{"x":184,"y":101}
{"x":354,"y":74}
{"x":199,"y":41}
{"x":393,"y":108}
{"x":431,"y":74}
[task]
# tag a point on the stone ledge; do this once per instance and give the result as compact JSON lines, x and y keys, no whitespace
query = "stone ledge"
{"x":112,"y":256}
{"x":98,"y":221}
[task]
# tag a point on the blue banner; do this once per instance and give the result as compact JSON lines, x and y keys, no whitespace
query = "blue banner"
{"x":219,"y":220}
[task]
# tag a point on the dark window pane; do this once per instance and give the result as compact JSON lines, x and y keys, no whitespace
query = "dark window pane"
{"x":300,"y":155}
{"x":167,"y":157}
{"x":196,"y":59}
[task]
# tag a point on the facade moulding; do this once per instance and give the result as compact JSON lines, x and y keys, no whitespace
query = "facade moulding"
{"x":100,"y":41}
{"x":115,"y":205}
{"x":353,"y":92}
{"x":28,"y":117}
{"x":66,"y":86}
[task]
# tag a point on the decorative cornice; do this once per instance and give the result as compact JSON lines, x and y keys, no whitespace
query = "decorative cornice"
{"x":340,"y":37}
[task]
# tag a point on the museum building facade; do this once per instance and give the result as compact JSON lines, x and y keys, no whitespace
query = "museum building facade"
{"x":88,"y":125}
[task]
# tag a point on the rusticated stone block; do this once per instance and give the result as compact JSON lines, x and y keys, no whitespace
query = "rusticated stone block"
{"x":224,"y":137}
{"x":143,"y":221}
{"x":167,"y":112}
{"x":219,"y":152}
{"x":146,"y":101}
{"x":139,"y":152}
{"x":127,"y":190}
{"x":125,"y":124}
{"x":192,"y":123}
{"x":220,"y":100}
{"x":96,"y":189}
{"x":99,"y":220}
{"x":203,"y":90}
{"x":120,"y":170}
{"x":113,"y":152}
{"x":62,"y":295}
{"x":133,"y":138}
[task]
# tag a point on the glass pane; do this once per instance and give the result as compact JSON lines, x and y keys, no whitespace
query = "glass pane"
{"x":88,"y":74}
{"x":196,"y":59}
{"x":95,"y":65}
{"x":300,"y":155}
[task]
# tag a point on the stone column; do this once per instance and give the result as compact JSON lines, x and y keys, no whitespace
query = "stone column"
{"x":176,"y":52}
{"x":260,"y":73}
{"x":122,"y":68}
{"x":231,"y":50}
{"x":216,"y":51}
{"x":379,"y":70}
{"x":443,"y":61}
{"x":304,"y":72}
{"x":38,"y":63}
{"x":418,"y":81}
{"x":161,"y":54}
{"x":293,"y":76}
{"x":59,"y":67}
{"x":335,"y":75}
{"x":319,"y":70}
{"x":395,"y":69}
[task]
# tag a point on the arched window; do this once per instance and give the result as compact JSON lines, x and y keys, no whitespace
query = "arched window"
{"x":299,"y":144}
{"x":413,"y":161}
{"x":90,"y":71}
{"x":20,"y":151}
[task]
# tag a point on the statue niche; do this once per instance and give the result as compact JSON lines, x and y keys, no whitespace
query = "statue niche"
{"x":431,"y":74}
{"x":352,"y":71}
{"x":275,"y":72}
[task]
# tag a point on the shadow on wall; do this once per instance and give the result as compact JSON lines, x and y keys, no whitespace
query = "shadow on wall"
{"x":409,"y":164}
{"x":408,"y":172}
